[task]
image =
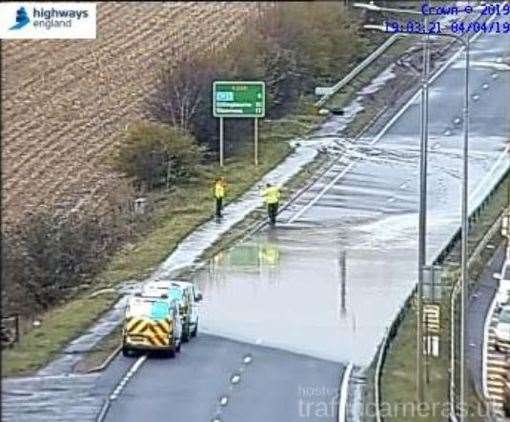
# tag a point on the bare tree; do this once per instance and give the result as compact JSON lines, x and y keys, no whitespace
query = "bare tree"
{"x":184,"y":85}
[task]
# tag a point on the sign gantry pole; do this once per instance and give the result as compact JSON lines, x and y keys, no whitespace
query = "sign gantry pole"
{"x":221,"y":141}
{"x":256,"y":136}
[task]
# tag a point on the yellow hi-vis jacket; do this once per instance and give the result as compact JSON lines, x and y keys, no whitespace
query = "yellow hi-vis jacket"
{"x":271,"y":195}
{"x":219,"y":190}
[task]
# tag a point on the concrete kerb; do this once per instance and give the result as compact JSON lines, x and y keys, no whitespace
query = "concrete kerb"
{"x":107,"y":361}
{"x":485,"y":349}
{"x":385,"y":339}
{"x":396,"y":322}
{"x":455,"y":293}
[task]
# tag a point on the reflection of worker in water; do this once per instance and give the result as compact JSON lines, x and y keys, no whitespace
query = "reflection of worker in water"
{"x":272,"y":197}
{"x":269,"y":254}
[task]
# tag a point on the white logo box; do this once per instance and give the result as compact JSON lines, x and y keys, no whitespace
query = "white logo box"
{"x":47,"y":20}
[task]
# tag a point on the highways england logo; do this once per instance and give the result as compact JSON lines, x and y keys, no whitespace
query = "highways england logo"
{"x":22,"y":19}
{"x":51,"y":20}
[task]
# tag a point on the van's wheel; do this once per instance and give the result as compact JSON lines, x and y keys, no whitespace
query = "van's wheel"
{"x":126,"y":352}
{"x":195,"y":330}
{"x":171,"y":352}
{"x":185,"y":333}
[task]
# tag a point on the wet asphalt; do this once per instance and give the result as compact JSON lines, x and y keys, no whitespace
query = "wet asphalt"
{"x":326,"y":281}
{"x":274,"y":386}
{"x":479,"y":305}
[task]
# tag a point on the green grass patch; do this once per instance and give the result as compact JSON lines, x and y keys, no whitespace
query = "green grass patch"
{"x":399,"y":371}
{"x":398,"y":391}
{"x":177,"y":213}
{"x":59,"y":325}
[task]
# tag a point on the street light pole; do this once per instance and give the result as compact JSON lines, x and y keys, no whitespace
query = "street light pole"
{"x":465,"y":234}
{"x":422,"y":215}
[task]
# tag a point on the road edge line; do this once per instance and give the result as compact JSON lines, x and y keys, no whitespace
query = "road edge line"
{"x":488,"y":319}
{"x":344,"y":393}
{"x":392,"y":121}
{"x":119,"y":387}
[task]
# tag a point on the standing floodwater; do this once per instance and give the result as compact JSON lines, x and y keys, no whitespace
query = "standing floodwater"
{"x":330,"y":277}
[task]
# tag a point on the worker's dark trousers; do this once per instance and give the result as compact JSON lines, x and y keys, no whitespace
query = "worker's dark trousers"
{"x":272,"y":210}
{"x":219,"y":206}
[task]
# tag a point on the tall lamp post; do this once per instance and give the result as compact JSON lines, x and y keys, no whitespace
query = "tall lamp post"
{"x":464,"y":201}
{"x":422,"y":213}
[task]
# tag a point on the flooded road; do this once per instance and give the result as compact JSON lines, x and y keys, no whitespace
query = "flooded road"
{"x":329,"y":278}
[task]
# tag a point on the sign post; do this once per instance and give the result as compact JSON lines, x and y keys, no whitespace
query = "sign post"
{"x":239,"y":99}
{"x":221,"y":141}
{"x":256,"y":140}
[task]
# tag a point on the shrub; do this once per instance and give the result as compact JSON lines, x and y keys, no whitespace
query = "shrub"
{"x":49,"y":257}
{"x":156,"y":154}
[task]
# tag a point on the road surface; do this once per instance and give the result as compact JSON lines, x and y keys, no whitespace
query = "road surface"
{"x":274,"y":386}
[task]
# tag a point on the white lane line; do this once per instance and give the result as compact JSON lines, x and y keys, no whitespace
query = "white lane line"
{"x":120,"y":386}
{"x":494,"y":363}
{"x":322,"y":192}
{"x":392,"y":121}
{"x":488,"y":320}
{"x":344,"y":393}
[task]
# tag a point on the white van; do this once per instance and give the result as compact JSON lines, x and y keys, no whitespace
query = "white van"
{"x":503,"y":294}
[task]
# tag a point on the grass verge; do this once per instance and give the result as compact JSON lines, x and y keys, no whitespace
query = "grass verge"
{"x":398,"y":388}
{"x":98,"y":355}
{"x":61,"y":324}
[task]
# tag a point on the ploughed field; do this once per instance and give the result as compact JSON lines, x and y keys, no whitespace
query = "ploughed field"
{"x":64,"y":102}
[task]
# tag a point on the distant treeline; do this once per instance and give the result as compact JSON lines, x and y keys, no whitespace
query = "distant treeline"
{"x":293,"y":47}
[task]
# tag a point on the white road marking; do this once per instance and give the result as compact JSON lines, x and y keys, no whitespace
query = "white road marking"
{"x":120,"y":386}
{"x":344,"y":393}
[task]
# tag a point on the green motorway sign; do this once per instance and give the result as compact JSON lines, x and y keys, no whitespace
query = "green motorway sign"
{"x":239,"y":99}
